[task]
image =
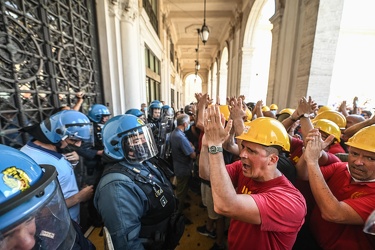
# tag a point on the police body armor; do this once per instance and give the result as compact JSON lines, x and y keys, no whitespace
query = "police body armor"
{"x":166,"y":126}
{"x":154,"y":125}
{"x":158,"y":228}
{"x":98,"y":141}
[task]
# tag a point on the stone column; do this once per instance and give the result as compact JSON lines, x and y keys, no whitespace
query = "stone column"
{"x":130,"y":53}
{"x":325,"y":45}
{"x":109,"y":25}
{"x":234,"y":49}
{"x":276,"y":22}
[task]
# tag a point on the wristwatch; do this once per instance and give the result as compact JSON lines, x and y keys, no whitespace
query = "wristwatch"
{"x":214,"y":149}
{"x":306,"y":115}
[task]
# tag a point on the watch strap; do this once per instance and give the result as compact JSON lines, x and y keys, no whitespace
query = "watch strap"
{"x":306,"y":115}
{"x":215,"y":149}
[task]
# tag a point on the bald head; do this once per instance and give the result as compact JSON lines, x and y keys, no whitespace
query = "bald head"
{"x":353,"y":119}
{"x":269,"y":114}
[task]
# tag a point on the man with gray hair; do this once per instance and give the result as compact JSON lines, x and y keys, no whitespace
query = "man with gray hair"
{"x":183,"y":153}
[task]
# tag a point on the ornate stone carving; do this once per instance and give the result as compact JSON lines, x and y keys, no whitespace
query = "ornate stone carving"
{"x":124,"y":9}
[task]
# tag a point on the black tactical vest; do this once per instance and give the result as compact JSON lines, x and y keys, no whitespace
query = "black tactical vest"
{"x":161,"y":200}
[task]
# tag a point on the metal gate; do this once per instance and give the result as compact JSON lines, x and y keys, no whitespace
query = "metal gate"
{"x":48,"y":52}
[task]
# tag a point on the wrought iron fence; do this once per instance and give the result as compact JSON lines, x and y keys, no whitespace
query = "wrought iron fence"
{"x":48,"y":52}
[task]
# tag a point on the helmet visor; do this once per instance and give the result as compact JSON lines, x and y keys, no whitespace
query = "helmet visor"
{"x":80,"y":131}
{"x":139,"y":145}
{"x":46,"y":226}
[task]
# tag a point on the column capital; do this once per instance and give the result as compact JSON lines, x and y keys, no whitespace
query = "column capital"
{"x":124,"y":9}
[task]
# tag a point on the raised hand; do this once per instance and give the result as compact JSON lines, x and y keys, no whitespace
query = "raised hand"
{"x":315,"y":145}
{"x":237,"y":109}
{"x":215,"y":132}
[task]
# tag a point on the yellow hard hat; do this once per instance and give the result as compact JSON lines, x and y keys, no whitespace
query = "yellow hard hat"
{"x":363,"y":139}
{"x":266,"y":131}
{"x":246,"y":125}
{"x":273,"y":106}
{"x":265,"y":108}
{"x":287,"y":111}
{"x":249,"y":115}
{"x":328,"y":127}
{"x":324,"y":108}
{"x":224,"y":109}
{"x":334,"y":116}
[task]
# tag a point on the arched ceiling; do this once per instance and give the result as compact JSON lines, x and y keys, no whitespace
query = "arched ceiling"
{"x":185,"y":17}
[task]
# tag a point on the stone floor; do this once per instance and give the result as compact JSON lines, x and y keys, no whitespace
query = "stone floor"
{"x":191,"y":240}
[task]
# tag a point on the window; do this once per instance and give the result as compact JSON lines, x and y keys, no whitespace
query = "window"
{"x":151,"y":8}
{"x":172,"y":99}
{"x":171,"y":51}
{"x":152,"y":62}
{"x":152,"y":76}
{"x":153,"y":89}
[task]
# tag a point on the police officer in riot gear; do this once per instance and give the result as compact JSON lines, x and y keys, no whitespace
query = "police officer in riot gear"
{"x":134,"y":197}
{"x":153,"y":117}
{"x":55,"y":142}
{"x":92,"y":153}
{"x":33,"y":213}
{"x":165,"y":128}
{"x":98,"y":115}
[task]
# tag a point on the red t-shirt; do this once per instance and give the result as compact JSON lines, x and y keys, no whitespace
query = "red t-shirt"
{"x":296,"y":146}
{"x":336,"y":148}
{"x":360,"y":196}
{"x":282,"y":209}
{"x":304,"y":186}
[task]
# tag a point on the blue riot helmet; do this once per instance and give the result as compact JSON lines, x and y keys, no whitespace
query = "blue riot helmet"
{"x":127,"y":137}
{"x":135,"y":112}
{"x":155,"y":105}
{"x":69,"y":124}
{"x":138,"y":113}
{"x":167,"y":111}
{"x":97,"y":111}
{"x":157,"y":102}
{"x":33,"y":211}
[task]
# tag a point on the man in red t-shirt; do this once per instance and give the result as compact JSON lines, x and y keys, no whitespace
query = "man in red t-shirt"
{"x":266,"y":210}
{"x":344,"y":192}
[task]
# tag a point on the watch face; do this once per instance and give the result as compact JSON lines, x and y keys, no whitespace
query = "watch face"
{"x":212,"y":149}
